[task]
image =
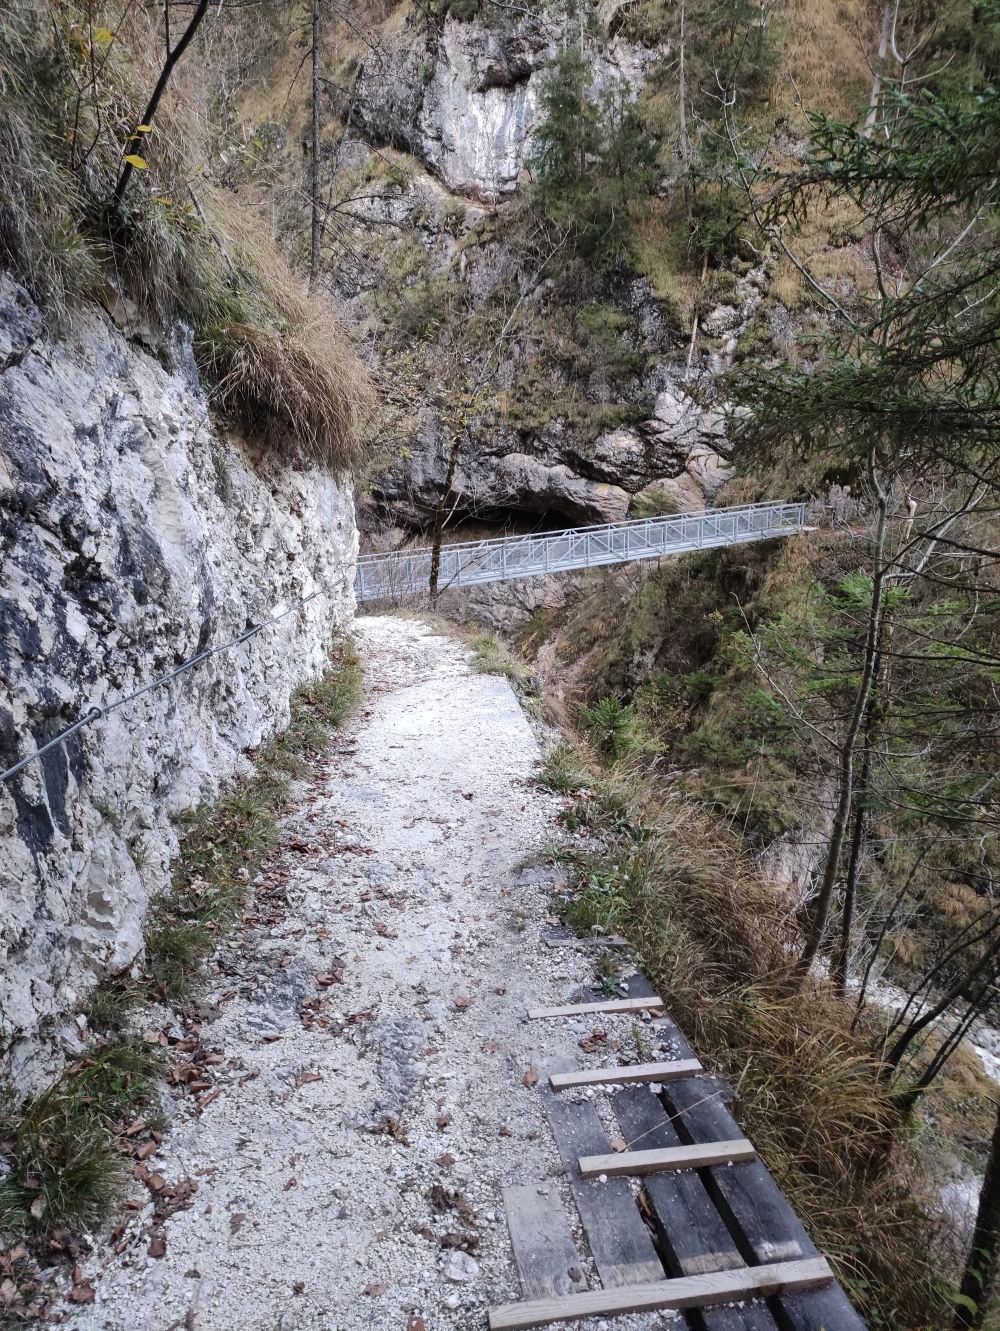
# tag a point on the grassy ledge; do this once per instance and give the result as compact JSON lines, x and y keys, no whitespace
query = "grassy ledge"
{"x":66,"y":1152}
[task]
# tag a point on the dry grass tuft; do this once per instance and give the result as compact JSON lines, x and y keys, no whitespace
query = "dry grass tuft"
{"x":72,"y":82}
{"x":280,"y":363}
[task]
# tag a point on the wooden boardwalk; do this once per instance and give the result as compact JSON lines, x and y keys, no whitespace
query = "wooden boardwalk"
{"x":719,"y":1241}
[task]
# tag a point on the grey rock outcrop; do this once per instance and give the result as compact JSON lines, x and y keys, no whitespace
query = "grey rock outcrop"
{"x":675,"y":461}
{"x":465,"y":102}
{"x":132,"y":537}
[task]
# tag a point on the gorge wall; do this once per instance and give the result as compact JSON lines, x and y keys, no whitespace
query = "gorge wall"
{"x":133,"y":536}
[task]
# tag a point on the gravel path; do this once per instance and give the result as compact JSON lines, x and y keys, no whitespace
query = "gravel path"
{"x":364,"y":1040}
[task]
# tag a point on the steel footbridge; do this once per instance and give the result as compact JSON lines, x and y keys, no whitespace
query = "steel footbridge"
{"x":403,"y":573}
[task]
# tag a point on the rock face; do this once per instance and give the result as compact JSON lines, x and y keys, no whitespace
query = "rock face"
{"x":465,"y":102}
{"x":673,"y":462}
{"x":133,"y":537}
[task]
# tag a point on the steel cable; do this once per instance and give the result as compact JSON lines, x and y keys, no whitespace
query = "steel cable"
{"x":95,"y":713}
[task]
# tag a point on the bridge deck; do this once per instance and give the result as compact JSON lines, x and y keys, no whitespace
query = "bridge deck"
{"x":405,"y":573}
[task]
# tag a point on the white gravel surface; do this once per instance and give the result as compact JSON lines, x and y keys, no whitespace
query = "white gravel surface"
{"x":311,"y":1209}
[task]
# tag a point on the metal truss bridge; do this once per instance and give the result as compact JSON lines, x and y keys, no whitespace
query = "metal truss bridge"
{"x":390,"y":577}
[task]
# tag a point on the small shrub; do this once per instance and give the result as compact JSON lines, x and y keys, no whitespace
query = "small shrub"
{"x":65,"y":1168}
{"x":611,"y":726}
{"x":561,"y":771}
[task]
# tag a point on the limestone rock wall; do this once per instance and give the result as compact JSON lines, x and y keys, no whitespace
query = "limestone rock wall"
{"x":465,"y":101}
{"x":131,"y":537}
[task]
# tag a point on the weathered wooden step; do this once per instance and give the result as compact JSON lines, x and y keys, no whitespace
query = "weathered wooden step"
{"x":685,"y":1292}
{"x":632,"y":1164}
{"x":637,"y":1072}
{"x":546,"y":1256}
{"x":608,"y":1005}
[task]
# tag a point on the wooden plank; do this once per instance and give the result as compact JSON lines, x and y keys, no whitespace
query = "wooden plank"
{"x":543,"y":1246}
{"x":685,"y":1292}
{"x":607,"y":1005}
{"x":634,"y":1164}
{"x":756,"y":1211}
{"x":619,"y":1240}
{"x":693,"y":1238}
{"x":688,"y":1067}
{"x":569,"y":941}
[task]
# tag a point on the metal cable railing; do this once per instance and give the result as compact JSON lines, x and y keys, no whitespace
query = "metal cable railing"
{"x":96,"y":712}
{"x":407,"y":572}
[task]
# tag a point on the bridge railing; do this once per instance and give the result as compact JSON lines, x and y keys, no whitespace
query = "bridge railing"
{"x":407,"y":572}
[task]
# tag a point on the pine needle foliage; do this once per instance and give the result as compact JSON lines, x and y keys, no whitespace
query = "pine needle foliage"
{"x":593,"y":161}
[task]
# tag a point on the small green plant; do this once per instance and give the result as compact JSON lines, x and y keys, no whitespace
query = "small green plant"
{"x":110,"y":1005}
{"x":601,"y":902}
{"x":611,"y":726}
{"x":65,"y":1168}
{"x":107,"y":811}
{"x":562,"y":771}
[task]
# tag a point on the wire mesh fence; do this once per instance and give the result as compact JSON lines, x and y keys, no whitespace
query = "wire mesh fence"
{"x":394,"y":576}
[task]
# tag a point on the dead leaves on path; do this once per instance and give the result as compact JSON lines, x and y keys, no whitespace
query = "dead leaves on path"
{"x":530,"y":1078}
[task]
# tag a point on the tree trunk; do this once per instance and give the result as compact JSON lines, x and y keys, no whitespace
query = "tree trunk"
{"x":439,"y":518}
{"x":820,"y":909}
{"x":847,"y":918}
{"x":981,"y":1267}
{"x":168,"y":68}
{"x":317,"y":226}
{"x":883,"y":47}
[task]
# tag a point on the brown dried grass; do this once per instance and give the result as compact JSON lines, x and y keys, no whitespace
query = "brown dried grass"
{"x":279,"y":360}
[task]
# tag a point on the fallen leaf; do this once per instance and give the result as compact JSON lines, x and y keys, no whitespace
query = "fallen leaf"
{"x":530,"y":1078}
{"x":462,"y":1002}
{"x":8,"y":1293}
{"x":304,"y":1077}
{"x":432,"y":1049}
{"x":17,"y":1254}
{"x":375,"y":1290}
{"x":292,"y":1183}
{"x":415,"y":1323}
{"x":619,"y":1144}
{"x":506,"y":1132}
{"x":490,"y":1047}
{"x":135,"y":1128}
{"x":445,"y":1161}
{"x":426,"y":1233}
{"x":83,"y":1292}
{"x":146,"y":1150}
{"x":443,"y":1120}
{"x":269,"y":1039}
{"x":155,"y":1182}
{"x":157,"y":1247}
{"x":381,"y":1233}
{"x":552,"y":919}
{"x":38,"y":1207}
{"x":235,"y":1221}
